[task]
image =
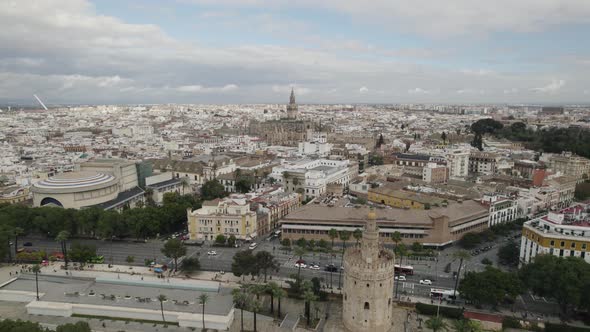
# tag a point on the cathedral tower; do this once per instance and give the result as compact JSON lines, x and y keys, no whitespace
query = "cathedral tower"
{"x":292,"y":107}
{"x":368,"y":283}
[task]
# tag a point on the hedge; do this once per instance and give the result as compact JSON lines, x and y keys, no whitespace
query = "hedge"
{"x":550,"y":327}
{"x":511,"y":323}
{"x":449,"y":312}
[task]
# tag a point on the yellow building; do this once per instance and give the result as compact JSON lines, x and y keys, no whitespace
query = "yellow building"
{"x":229,"y":216}
{"x":401,"y":199}
{"x":13,"y":194}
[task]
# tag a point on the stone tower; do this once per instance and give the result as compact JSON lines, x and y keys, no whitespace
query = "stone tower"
{"x":368,"y":283}
{"x":292,"y":107}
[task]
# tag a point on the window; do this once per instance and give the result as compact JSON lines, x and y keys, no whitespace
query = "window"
{"x":562,"y":244}
{"x":366,"y":305}
{"x":367,"y":285}
{"x":552,"y":243}
{"x":573,"y":245}
{"x":583,"y":246}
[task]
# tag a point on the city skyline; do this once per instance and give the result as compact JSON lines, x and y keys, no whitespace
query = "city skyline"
{"x":200,"y":51}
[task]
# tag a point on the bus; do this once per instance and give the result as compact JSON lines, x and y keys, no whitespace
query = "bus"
{"x":443,"y":294}
{"x":404,"y":269}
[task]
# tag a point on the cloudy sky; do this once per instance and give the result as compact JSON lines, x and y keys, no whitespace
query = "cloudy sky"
{"x":330,"y":51}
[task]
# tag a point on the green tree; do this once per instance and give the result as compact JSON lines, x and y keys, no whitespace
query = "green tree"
{"x":443,"y":136}
{"x":467,"y":325}
{"x":174,"y":249}
{"x":279,"y":294}
{"x":490,"y":286}
{"x":396,"y":237}
{"x":308,"y":297}
{"x":220,"y":239}
{"x":244,"y":184}
{"x":130,"y":259}
{"x":509,"y":254}
{"x":190,"y":264}
{"x":244,"y":263}
{"x":417,"y":247}
{"x":76,"y":327}
{"x":461,"y":255}
{"x":358,"y":235}
{"x":344,"y":236}
{"x":36,"y":270}
{"x":436,"y":324}
{"x":333,"y":234}
{"x":203,"y":299}
{"x":470,"y":241}
{"x":286,"y":242}
{"x":240,"y":299}
{"x":212,"y":189}
{"x":162,"y":298}
{"x":17,"y":231}
{"x":567,"y":280}
{"x":9,"y":325}
{"x":82,"y":253}
{"x":265,"y":262}
{"x":231,"y":241}
{"x":62,"y":238}
{"x":272,"y":288}
{"x":255,"y":306}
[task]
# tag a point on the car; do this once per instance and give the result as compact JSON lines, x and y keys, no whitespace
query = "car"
{"x":301,"y":265}
{"x":331,"y":268}
{"x":425,"y":282}
{"x":28,"y":244}
{"x":314,"y":266}
{"x":400,"y":278}
{"x":253,"y":246}
{"x":211,"y":253}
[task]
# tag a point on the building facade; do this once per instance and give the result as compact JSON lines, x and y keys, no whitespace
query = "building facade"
{"x":435,"y":173}
{"x":368,"y":283}
{"x":229,"y":216}
{"x":502,"y":209}
{"x":570,"y":165}
{"x":458,"y":163}
{"x":401,"y":199}
{"x":482,"y":163}
{"x":563,"y":233}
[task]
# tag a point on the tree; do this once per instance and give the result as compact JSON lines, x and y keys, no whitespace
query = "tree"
{"x":203,"y":299}
{"x":244,"y":263}
{"x":130,"y":259}
{"x":299,"y":251}
{"x":443,"y":136}
{"x":220,"y":239}
{"x":17,"y":231}
{"x":461,"y":255}
{"x":344,"y":236}
{"x":240,"y":299}
{"x":486,"y":126}
{"x":490,"y":286}
{"x":396,"y":237}
{"x":477,"y":141}
{"x":279,"y":294}
{"x":62,"y":238}
{"x":272,"y":288}
{"x":467,"y":325}
{"x":417,"y":247}
{"x":380,"y":141}
{"x":82,"y":253}
{"x":436,"y":324}
{"x":244,"y":184}
{"x":308,"y":297}
{"x":212,"y":189}
{"x":582,"y":190}
{"x":265,"y":262}
{"x":162,"y":298}
{"x":20,"y":326}
{"x":567,"y":280}
{"x":174,"y":249}
{"x":77,"y":327}
{"x":36,"y":270}
{"x":358,"y":235}
{"x":333,"y":234}
{"x":190,"y":264}
{"x":509,"y":254}
{"x":470,"y":241}
{"x":231,"y":240}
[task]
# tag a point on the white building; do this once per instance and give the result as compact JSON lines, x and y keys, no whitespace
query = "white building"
{"x":502,"y":209}
{"x":229,"y":216}
{"x":458,"y":163}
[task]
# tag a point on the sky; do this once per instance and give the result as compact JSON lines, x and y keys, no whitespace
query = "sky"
{"x":329,"y":51}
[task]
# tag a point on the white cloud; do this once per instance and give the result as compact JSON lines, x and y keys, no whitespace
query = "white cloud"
{"x":363,"y":89}
{"x":202,"y":89}
{"x":552,"y":87}
{"x":418,"y":91}
{"x":511,"y":91}
{"x":477,"y":72}
{"x":471,"y":91}
{"x":285,"y":90}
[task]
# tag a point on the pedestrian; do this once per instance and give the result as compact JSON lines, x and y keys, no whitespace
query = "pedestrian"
{"x":10,"y":273}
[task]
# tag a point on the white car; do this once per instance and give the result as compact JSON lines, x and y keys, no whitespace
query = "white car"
{"x":400,"y":278}
{"x":425,"y":282}
{"x":253,"y":246}
{"x":314,"y":266}
{"x":211,"y":253}
{"x":301,"y":265}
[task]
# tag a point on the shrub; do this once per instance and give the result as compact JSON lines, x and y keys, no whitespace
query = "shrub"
{"x":486,"y":261}
{"x":431,"y":310}
{"x":551,"y":327}
{"x":511,"y":323}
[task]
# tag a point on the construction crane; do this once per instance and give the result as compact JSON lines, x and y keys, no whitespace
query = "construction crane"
{"x":40,"y":102}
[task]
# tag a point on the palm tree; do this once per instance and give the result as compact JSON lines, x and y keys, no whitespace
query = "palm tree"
{"x":333,"y":234}
{"x":399,"y":250}
{"x":162,"y":298}
{"x":358,"y":235}
{"x":36,"y":270}
{"x":461,"y":255}
{"x":396,"y":237}
{"x":240,"y":301}
{"x":62,"y":238}
{"x":308,"y":298}
{"x":203,"y":299}
{"x":467,"y":325}
{"x":257,"y":290}
{"x":299,"y":251}
{"x":17,"y":232}
{"x":255,"y":306}
{"x":280,"y":293}
{"x":271,"y":288}
{"x":436,"y":324}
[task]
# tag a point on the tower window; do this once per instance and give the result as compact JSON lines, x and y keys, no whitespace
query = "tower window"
{"x":366,"y":305}
{"x":367,"y":285}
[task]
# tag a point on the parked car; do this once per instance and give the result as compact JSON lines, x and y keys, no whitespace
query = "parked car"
{"x":425,"y":282}
{"x":253,"y":246}
{"x":211,"y":253}
{"x":331,"y":268}
{"x":300,"y":263}
{"x":314,"y":266}
{"x":28,"y":244}
{"x":400,"y":278}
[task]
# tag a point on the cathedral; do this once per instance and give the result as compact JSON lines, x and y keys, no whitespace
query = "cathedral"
{"x":287,"y":131}
{"x":368,"y":283}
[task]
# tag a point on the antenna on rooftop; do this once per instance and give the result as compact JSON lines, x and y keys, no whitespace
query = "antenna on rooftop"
{"x":40,"y":102}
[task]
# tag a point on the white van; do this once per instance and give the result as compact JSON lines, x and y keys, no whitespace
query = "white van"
{"x":253,"y":246}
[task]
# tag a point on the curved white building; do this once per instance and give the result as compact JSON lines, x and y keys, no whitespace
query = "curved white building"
{"x":108,"y":184}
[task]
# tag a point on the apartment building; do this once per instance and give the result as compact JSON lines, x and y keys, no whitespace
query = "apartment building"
{"x":435,"y":173}
{"x":482,"y":163}
{"x":571,"y":165}
{"x":458,"y":163}
{"x":228,"y":216}
{"x":502,"y":208}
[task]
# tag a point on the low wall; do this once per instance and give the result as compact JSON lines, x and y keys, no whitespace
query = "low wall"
{"x":18,"y":296}
{"x":184,"y":319}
